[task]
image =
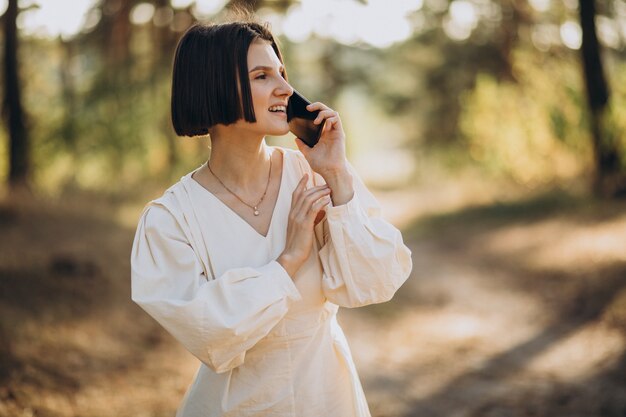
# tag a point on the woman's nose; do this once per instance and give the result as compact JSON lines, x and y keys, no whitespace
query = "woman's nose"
{"x":285,"y":88}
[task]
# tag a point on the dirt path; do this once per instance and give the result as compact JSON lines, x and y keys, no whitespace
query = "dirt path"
{"x":512,"y":310}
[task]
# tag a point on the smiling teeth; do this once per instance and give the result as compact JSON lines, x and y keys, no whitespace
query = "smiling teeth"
{"x":278,"y":108}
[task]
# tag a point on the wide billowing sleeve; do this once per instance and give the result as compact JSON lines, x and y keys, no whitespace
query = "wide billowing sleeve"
{"x":364,"y":258}
{"x":217,"y":320}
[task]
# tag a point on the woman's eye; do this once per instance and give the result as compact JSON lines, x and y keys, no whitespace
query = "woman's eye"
{"x":260,"y":77}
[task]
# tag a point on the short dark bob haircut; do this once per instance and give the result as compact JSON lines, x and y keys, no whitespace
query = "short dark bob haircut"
{"x":210,"y":82}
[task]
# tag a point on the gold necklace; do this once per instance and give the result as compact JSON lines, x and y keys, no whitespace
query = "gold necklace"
{"x":253,"y":207}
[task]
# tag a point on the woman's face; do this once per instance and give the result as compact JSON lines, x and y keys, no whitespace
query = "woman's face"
{"x":270,"y":91}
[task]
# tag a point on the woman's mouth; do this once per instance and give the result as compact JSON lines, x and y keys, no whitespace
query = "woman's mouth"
{"x":282,"y":110}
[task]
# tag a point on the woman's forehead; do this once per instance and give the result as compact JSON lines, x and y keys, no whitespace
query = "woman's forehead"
{"x":261,"y":53}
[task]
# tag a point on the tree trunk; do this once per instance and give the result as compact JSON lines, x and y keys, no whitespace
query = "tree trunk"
{"x":68,"y":93}
{"x":607,"y":181}
{"x":119,"y":36}
{"x":19,"y":166}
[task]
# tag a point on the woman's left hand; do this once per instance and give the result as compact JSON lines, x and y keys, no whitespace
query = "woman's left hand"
{"x":328,"y":156}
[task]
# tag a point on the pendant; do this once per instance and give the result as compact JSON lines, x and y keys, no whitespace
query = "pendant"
{"x":256,"y":211}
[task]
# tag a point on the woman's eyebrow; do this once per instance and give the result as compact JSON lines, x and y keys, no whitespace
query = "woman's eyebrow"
{"x":266,"y":68}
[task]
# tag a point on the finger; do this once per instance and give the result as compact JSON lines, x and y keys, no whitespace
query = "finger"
{"x":318,"y":206}
{"x":304,"y":201}
{"x":311,"y":198}
{"x":311,"y":213}
{"x":315,"y":192}
{"x":303,"y":181}
{"x":317,"y":106}
{"x":330,"y":123}
{"x":300,"y":200}
{"x":299,"y":189}
{"x":325,"y":114}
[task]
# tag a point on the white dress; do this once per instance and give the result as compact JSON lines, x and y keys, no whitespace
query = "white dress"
{"x":268,"y":345}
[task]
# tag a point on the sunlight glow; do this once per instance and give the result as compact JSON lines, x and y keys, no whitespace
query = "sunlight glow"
{"x":545,"y":35}
{"x":456,"y":326}
{"x":540,"y":5}
{"x":3,"y":6}
{"x":581,"y":355}
{"x":491,"y":12}
{"x":608,"y":32}
{"x":338,"y":29}
{"x":181,"y":4}
{"x":405,"y":6}
{"x":571,"y":4}
{"x":92,"y":19}
{"x":296,"y":25}
{"x":377,"y":23}
{"x":275,"y":20}
{"x":461,"y":20}
{"x":382,"y":26}
{"x":571,"y":34}
{"x":454,"y":30}
{"x":464,"y":13}
{"x":55,"y":17}
{"x":142,"y":13}
{"x":206,"y":8}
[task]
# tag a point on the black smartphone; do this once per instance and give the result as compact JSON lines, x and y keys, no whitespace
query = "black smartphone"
{"x":301,"y":120}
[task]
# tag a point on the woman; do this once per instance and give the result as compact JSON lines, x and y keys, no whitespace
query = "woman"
{"x":247,"y":259}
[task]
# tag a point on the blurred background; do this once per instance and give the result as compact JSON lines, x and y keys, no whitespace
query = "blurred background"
{"x":491,"y":131}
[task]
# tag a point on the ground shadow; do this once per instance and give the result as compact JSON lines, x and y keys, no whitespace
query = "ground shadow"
{"x":486,"y":218}
{"x":461,"y":391}
{"x":65,"y":266}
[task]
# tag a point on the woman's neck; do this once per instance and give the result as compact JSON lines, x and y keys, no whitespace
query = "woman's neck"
{"x":241,"y":162}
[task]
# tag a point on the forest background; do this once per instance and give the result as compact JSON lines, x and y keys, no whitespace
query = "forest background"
{"x":492,"y":132}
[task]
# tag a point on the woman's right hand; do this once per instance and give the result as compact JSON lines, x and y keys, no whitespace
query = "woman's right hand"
{"x":305,"y":206}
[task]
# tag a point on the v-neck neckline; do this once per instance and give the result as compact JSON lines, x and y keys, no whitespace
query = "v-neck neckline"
{"x":228,"y":209}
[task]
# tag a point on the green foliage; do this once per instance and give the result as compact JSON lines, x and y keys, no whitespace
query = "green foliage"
{"x":533,"y":130}
{"x":490,"y":101}
{"x":110,"y":129}
{"x":617,"y":111}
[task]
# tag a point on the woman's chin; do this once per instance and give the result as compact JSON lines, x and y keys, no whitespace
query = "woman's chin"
{"x":279,"y":131}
